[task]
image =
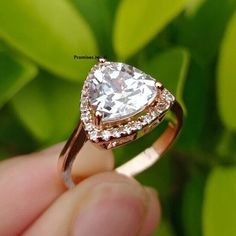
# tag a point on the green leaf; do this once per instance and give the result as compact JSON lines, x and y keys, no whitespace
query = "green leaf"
{"x":2,"y":46}
{"x":219,"y":205}
{"x":192,"y":205}
{"x":202,"y":32}
{"x":48,"y":107}
{"x":50,"y":33}
{"x":15,"y":73}
{"x":14,"y":138}
{"x":226,"y":149}
{"x":137,"y":22}
{"x":197,"y":83}
{"x":227,"y":77}
{"x":164,"y":229}
{"x":101,"y":21}
{"x":159,"y":176}
{"x":170,"y":68}
{"x":193,"y":6}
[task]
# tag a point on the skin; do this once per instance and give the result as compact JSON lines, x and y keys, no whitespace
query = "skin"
{"x":34,"y":201}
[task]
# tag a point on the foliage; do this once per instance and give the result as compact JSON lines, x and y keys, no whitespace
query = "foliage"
{"x":189,"y":45}
{"x":219,"y":204}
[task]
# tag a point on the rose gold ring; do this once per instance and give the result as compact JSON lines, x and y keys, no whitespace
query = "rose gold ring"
{"x":120,"y":103}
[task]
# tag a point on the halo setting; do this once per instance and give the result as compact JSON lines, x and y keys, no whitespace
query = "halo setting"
{"x":118,"y":101}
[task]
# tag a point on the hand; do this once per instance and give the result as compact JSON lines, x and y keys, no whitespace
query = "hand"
{"x":33,"y":200}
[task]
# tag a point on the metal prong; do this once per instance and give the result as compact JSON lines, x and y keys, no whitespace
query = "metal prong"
{"x":101,"y":60}
{"x":159,"y":85}
{"x":98,"y":118}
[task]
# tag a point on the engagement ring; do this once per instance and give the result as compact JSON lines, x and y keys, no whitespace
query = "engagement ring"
{"x":120,"y":103}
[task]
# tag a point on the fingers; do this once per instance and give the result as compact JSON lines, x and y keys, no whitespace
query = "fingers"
{"x":153,"y":213}
{"x":102,"y":205}
{"x":92,"y":161}
{"x":29,"y":184}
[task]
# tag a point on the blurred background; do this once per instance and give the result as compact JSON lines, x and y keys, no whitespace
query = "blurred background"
{"x":189,"y":45}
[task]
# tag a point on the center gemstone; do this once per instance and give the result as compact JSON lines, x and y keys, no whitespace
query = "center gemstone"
{"x":119,"y":90}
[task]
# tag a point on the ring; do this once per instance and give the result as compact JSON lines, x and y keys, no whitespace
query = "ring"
{"x":120,"y":103}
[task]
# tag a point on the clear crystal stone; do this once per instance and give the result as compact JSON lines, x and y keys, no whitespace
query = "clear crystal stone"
{"x":168,"y":96}
{"x":153,"y":115}
{"x":116,"y":133}
{"x":88,"y":127}
{"x":93,"y":135}
{"x":84,"y":102}
{"x":137,"y":125}
{"x":106,"y":134}
{"x":157,"y":112}
{"x":127,"y":129}
{"x":119,"y":91}
{"x":85,"y":116}
{"x":122,"y":130}
{"x":147,"y":119}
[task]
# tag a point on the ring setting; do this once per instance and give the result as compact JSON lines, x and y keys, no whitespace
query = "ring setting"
{"x":120,"y":103}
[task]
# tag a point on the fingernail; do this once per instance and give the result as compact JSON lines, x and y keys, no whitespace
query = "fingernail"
{"x":112,"y":209}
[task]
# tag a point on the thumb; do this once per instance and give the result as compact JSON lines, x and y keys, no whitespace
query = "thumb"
{"x":102,"y":205}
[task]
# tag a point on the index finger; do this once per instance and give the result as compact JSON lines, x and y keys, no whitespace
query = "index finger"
{"x":30,"y":183}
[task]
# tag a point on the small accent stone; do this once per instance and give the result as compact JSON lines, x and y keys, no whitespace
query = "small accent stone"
{"x":88,"y":127}
{"x":106,"y":134}
{"x":137,"y":125}
{"x":84,"y":102}
{"x":83,"y":109}
{"x":127,"y":129}
{"x":93,"y":135}
{"x":147,"y":119}
{"x":156,"y":111}
{"x":85,"y":116}
{"x":167,"y":96}
{"x":122,"y":130}
{"x":116,"y":133}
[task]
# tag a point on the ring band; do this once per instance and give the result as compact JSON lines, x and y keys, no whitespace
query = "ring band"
{"x":108,"y":122}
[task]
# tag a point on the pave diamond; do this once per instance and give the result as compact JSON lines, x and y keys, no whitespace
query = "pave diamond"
{"x":116,"y":133}
{"x":167,"y":96}
{"x":119,"y":91}
{"x":94,"y":135}
{"x":128,"y":129}
{"x":106,"y":135}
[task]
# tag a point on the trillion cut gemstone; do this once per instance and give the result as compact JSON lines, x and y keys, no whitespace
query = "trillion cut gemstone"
{"x":119,"y":90}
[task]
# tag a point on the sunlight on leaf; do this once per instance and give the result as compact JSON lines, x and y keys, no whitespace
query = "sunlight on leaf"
{"x":193,"y":6}
{"x":48,"y":107}
{"x":219,"y":203}
{"x":15,"y":73}
{"x":50,"y":33}
{"x":137,"y":22}
{"x":100,"y":21}
{"x":227,"y":77}
{"x":202,"y":32}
